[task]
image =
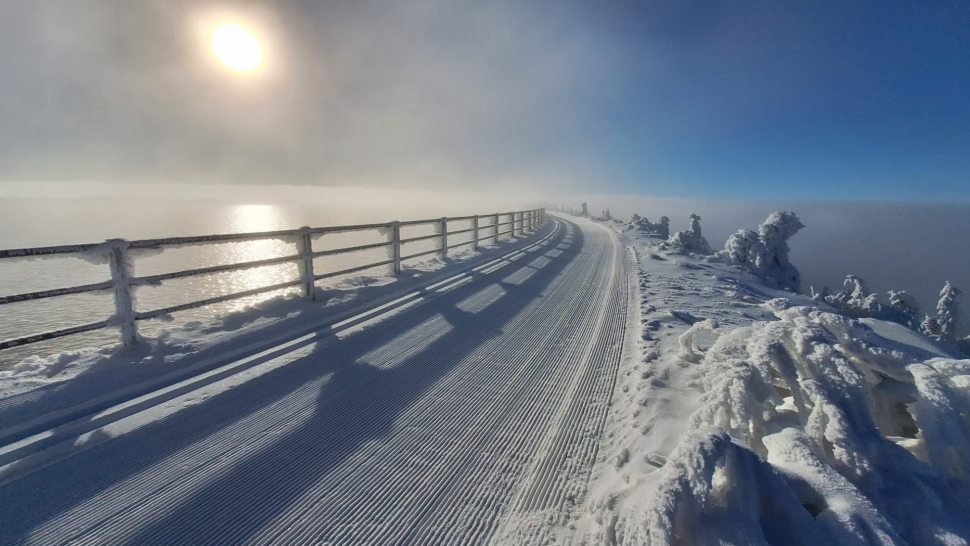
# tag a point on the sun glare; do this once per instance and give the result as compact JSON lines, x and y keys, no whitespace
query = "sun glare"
{"x":236,"y":47}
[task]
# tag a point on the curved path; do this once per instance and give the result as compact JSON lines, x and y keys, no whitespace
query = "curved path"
{"x":470,"y":418}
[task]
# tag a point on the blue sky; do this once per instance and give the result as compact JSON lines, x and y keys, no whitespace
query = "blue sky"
{"x":743,"y":100}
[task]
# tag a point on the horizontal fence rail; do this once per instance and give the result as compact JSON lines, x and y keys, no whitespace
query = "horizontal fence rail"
{"x":118,"y":255}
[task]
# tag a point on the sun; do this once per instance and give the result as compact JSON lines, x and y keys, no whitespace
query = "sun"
{"x":236,"y":47}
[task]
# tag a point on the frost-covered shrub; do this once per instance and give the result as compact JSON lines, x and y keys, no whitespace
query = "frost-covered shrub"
{"x":815,"y":430}
{"x":766,"y":252}
{"x":738,"y":246}
{"x":691,"y":238}
{"x":858,"y":302}
{"x":942,"y":326}
{"x":660,"y":229}
{"x":903,"y":302}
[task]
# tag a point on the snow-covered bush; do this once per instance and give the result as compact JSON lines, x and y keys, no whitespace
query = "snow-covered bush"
{"x":738,"y":246}
{"x":942,"y":326}
{"x":660,"y":229}
{"x":766,"y":252}
{"x":691,"y":238}
{"x":858,"y":302}
{"x":813,"y":429}
{"x":903,"y":302}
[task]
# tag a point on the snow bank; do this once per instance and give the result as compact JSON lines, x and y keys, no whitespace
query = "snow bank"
{"x":766,"y":252}
{"x":813,"y":429}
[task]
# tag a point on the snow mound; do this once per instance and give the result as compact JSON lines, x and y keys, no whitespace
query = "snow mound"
{"x":813,"y":429}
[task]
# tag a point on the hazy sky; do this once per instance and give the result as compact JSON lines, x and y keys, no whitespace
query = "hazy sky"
{"x":747,"y":100}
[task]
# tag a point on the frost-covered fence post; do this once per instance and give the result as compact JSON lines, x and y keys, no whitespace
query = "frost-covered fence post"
{"x":121,"y":273}
{"x":304,"y":247}
{"x":443,"y":229}
{"x":475,"y":232}
{"x":516,"y":222}
{"x":395,"y":239}
{"x":495,"y":223}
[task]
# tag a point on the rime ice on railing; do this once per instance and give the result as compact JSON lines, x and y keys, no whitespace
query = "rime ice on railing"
{"x":120,"y":254}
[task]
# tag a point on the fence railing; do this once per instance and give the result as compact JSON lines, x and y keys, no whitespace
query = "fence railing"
{"x":119,"y":256}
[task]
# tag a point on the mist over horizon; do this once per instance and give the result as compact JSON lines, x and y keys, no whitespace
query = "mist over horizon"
{"x":892,"y":245}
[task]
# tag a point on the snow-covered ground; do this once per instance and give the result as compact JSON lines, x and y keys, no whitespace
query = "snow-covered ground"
{"x":591,"y":385}
{"x":472,"y":416}
{"x":746,"y":414}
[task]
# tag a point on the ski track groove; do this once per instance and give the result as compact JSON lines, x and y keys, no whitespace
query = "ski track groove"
{"x":512,"y":428}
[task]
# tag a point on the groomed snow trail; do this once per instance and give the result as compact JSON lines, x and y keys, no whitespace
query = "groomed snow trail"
{"x":472,"y":418}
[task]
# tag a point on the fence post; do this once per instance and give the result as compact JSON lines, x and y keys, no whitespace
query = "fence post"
{"x":443,"y":226}
{"x":475,"y":233}
{"x":495,"y":223}
{"x":519,"y":222}
{"x":121,"y":272}
{"x":395,"y":238}
{"x":304,"y":247}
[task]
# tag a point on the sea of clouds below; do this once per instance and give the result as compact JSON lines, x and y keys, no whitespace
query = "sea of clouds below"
{"x":892,"y":245}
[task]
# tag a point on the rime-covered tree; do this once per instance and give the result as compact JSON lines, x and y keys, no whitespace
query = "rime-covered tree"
{"x":903,"y":302}
{"x":942,"y":326}
{"x":766,"y":252}
{"x":738,"y":246}
{"x":860,"y":298}
{"x":662,"y":228}
{"x":691,"y":238}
